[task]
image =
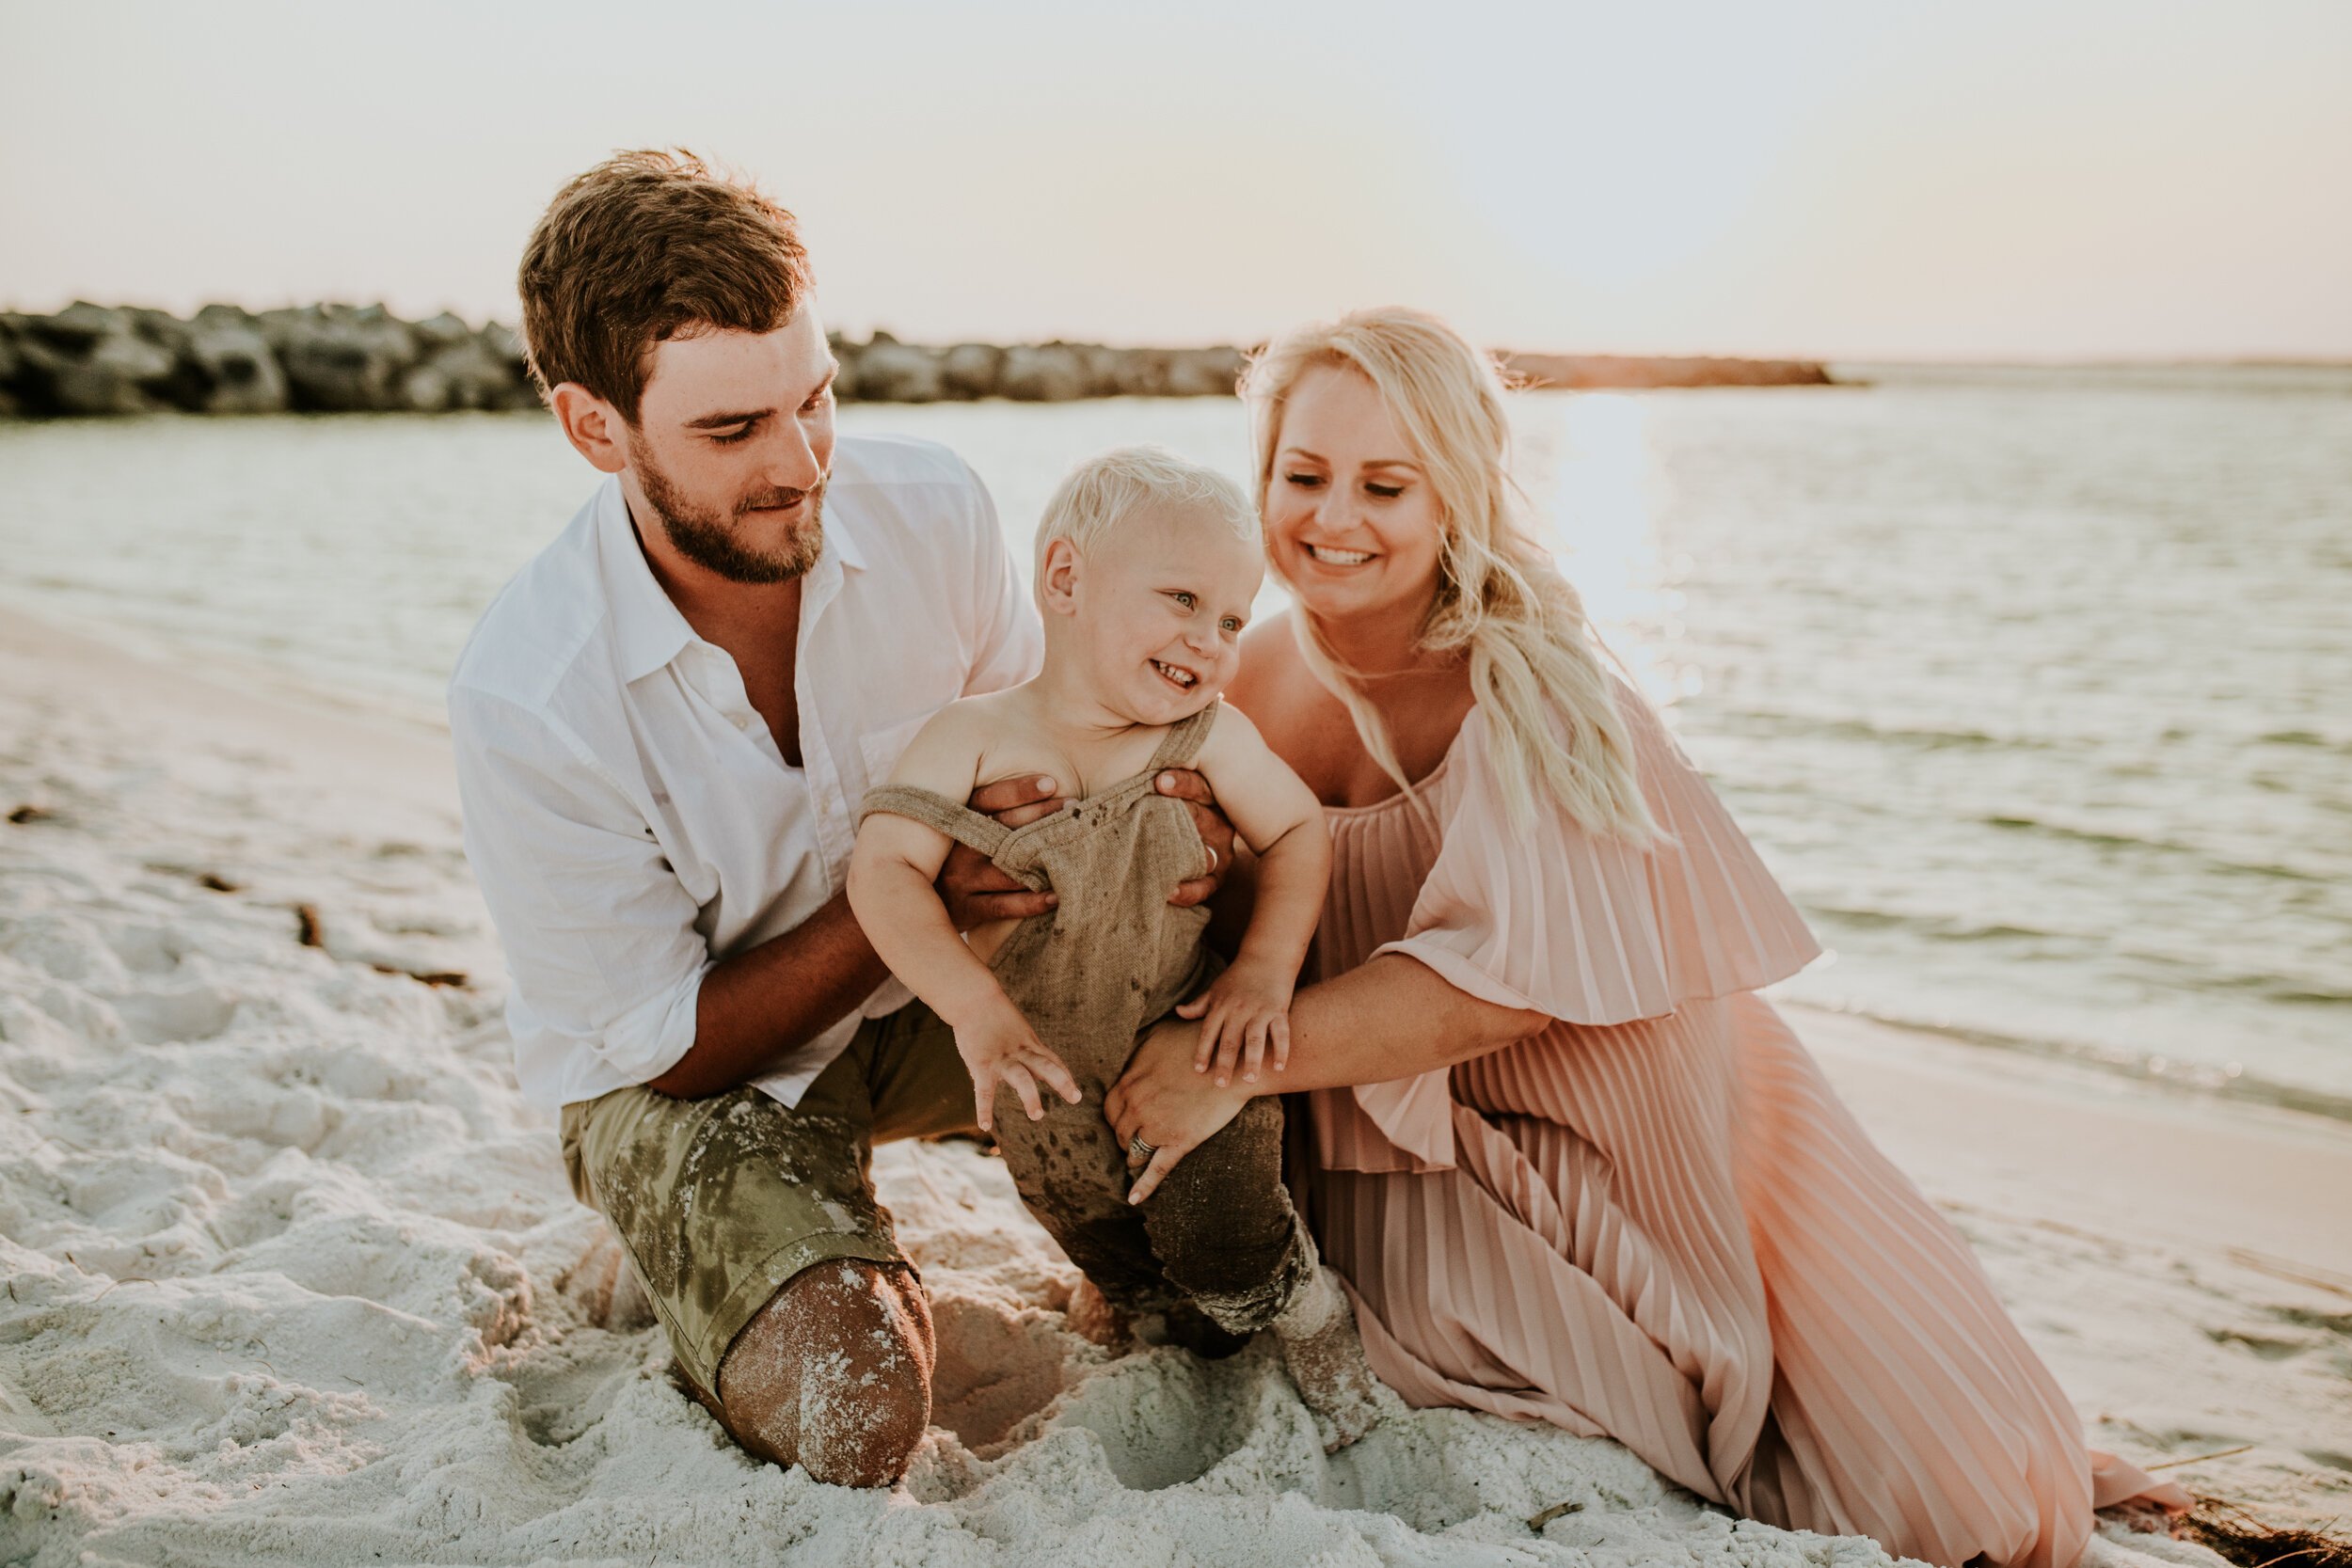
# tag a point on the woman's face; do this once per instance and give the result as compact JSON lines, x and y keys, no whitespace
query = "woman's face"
{"x":1352,"y":521}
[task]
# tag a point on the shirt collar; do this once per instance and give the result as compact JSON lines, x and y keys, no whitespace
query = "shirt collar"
{"x":649,"y":628}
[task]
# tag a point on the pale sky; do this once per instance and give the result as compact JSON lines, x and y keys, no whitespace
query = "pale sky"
{"x":2070,"y":177}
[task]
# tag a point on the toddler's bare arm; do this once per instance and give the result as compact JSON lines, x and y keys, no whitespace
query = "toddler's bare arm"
{"x":1246,"y":1012}
{"x":893,"y":868}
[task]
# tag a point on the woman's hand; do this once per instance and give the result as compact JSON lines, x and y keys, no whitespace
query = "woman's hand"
{"x":1163,"y":1100}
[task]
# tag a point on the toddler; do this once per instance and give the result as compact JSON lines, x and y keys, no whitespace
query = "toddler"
{"x":1146,"y":568}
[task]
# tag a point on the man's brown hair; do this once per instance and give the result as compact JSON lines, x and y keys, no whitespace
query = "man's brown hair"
{"x":646,"y":246}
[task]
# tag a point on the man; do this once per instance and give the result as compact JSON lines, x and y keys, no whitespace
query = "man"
{"x":663,"y":726}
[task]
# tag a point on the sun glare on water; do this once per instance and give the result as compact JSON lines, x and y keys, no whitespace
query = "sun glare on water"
{"x":1593,"y":489}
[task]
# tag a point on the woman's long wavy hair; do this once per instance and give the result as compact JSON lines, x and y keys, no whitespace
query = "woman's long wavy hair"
{"x":1534,"y":666}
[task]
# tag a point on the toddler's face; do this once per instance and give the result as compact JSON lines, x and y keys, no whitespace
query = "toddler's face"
{"x":1159,"y":610}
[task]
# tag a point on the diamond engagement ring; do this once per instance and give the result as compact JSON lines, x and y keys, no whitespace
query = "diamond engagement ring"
{"x":1138,"y":1149}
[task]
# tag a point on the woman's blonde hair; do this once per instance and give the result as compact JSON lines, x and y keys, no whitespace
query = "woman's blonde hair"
{"x":1533,"y":660}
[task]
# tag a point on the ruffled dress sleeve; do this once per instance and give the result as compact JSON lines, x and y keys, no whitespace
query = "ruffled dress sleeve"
{"x":1543,"y":916}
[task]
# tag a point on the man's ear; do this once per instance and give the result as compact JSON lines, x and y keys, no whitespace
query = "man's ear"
{"x":1057,"y":578}
{"x":594,"y":426}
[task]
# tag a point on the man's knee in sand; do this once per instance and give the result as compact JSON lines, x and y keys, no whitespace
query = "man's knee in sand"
{"x":835,"y":1373}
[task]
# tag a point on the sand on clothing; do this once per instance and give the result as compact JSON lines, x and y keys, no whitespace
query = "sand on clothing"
{"x":293,"y":1276}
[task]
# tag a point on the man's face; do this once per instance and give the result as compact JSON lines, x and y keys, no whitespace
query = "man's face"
{"x":732,"y":445}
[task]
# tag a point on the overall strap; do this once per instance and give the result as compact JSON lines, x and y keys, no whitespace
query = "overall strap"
{"x":1184,"y":741}
{"x":952,"y":817}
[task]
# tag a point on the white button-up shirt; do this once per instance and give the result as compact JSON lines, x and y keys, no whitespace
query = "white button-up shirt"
{"x":629,"y":815}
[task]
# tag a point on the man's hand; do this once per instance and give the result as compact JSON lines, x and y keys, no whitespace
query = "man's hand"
{"x":974,"y":890}
{"x":1216,"y":832}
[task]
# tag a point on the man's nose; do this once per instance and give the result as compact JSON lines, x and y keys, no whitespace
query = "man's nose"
{"x":792,"y":460}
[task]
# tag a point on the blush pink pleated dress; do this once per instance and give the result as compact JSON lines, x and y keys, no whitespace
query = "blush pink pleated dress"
{"x":1654,"y":1221}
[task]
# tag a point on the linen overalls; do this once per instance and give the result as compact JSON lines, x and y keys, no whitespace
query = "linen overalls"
{"x":1091,"y":976}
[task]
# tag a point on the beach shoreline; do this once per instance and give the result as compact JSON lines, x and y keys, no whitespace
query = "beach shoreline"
{"x":285,"y":1247}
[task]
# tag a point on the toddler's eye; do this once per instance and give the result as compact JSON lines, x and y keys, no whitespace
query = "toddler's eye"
{"x":1231,"y":622}
{"x":1182,"y":598}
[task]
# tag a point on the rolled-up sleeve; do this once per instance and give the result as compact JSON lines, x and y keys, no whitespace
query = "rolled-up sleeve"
{"x":599,"y":933}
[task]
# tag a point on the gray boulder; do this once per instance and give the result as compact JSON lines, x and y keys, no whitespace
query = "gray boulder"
{"x":892,"y":372}
{"x":79,"y":327}
{"x":507,"y":343}
{"x":123,"y":374}
{"x":463,"y":374}
{"x":11,"y":364}
{"x":445,"y":330}
{"x":89,"y":359}
{"x":342,"y":359}
{"x":845,"y":355}
{"x":1042,"y":373}
{"x":1126,"y":373}
{"x":969,"y":370}
{"x":1110,"y":372}
{"x":230,"y":366}
{"x":1202,"y":372}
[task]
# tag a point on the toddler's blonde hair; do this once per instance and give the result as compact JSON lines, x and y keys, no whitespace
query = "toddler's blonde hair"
{"x":1112,"y":488}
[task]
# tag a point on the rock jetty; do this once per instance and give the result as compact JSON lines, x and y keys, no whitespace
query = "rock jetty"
{"x":94,"y":359}
{"x":90,"y":360}
{"x":1593,"y":372}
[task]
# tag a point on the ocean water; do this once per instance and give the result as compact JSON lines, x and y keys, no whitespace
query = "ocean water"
{"x":2035,"y":687}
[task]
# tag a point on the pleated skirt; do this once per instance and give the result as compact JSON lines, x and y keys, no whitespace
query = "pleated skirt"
{"x":1672,"y":1233}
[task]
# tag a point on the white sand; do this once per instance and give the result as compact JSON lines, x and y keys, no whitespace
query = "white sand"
{"x":290,"y":1268}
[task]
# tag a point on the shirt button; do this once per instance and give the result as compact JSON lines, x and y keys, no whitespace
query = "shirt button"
{"x":742,"y":723}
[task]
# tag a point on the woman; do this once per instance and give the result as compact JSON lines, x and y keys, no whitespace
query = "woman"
{"x":1575,"y":1168}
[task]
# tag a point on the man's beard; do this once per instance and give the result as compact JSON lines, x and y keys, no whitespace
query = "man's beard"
{"x":714,"y":541}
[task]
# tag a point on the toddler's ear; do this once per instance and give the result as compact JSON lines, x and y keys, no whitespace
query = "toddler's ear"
{"x":1057,"y":578}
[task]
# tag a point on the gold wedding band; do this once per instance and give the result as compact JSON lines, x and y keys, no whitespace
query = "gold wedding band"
{"x":1212,"y":849}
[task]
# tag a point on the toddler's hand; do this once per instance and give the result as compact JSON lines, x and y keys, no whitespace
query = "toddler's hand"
{"x":1245,"y":1012}
{"x":1001,"y":1047}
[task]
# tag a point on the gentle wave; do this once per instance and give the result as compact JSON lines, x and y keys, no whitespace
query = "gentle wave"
{"x":2187,"y":1078}
{"x":2305,"y":738}
{"x":2198,"y":974}
{"x":2206,"y":859}
{"x":1926,"y":737}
